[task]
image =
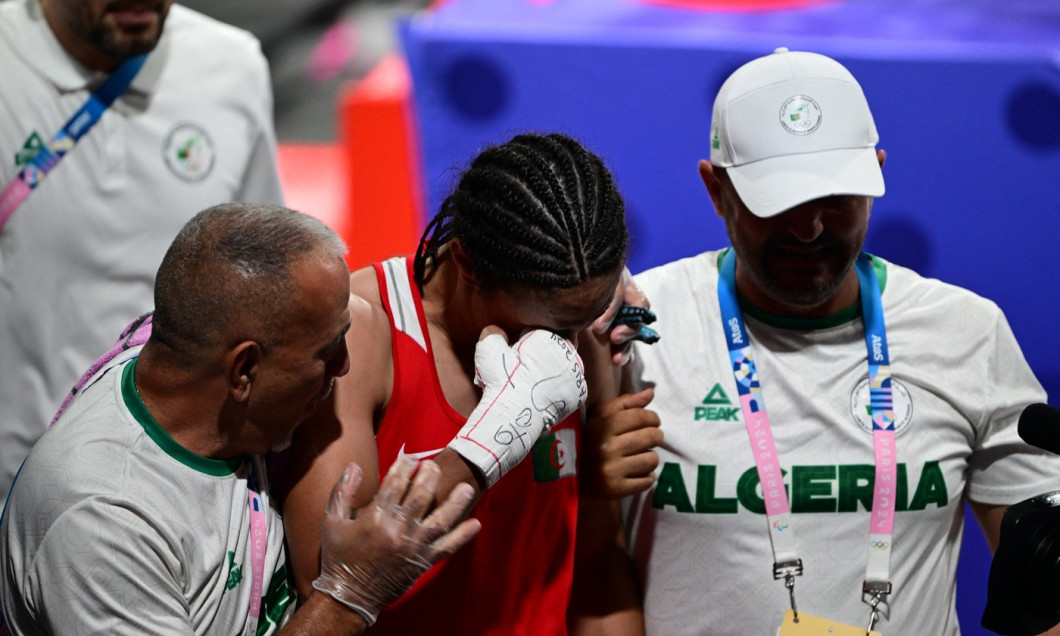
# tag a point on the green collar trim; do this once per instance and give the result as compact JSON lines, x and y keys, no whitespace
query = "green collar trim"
{"x":841,"y":317}
{"x":136,"y":406}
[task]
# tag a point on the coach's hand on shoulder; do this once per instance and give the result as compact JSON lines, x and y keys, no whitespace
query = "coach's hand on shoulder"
{"x":372,"y":556}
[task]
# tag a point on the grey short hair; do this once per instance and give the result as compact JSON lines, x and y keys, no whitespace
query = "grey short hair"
{"x":226,"y":276}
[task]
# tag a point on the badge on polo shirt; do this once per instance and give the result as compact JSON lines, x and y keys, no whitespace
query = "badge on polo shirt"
{"x":808,"y":625}
{"x":189,"y":151}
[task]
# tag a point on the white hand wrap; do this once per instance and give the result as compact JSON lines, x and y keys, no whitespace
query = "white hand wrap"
{"x":526,"y":389}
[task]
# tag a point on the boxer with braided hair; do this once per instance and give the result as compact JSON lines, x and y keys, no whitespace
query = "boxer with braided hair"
{"x":466,"y":354}
{"x":539,"y":211}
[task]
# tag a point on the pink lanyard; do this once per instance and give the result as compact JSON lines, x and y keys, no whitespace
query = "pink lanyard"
{"x":786,"y":562}
{"x":258,"y":545}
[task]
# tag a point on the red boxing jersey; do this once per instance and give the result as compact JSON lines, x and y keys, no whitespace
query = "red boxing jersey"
{"x":514,"y":577}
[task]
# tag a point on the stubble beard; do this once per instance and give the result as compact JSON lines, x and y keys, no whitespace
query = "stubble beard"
{"x":758,"y":269}
{"x":112,"y":42}
{"x":116,"y":40}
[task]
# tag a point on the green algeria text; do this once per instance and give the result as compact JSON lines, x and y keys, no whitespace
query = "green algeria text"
{"x":830,"y":488}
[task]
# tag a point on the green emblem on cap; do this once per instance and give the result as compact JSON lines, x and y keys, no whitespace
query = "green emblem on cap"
{"x":800,"y":115}
{"x":715,"y":142}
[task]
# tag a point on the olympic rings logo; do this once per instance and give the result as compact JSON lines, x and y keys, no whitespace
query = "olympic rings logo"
{"x":880,"y":545}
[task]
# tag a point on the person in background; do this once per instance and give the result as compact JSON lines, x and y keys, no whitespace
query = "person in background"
{"x":118,"y":122}
{"x":528,"y":249}
{"x":826,"y":414}
{"x":146,"y":508}
{"x":316,"y":49}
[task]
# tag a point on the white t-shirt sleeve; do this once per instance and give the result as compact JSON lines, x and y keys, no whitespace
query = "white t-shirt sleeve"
{"x":261,"y":177}
{"x":1003,"y":469}
{"x":103,"y":568}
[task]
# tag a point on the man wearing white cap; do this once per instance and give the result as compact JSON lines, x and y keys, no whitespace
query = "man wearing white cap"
{"x":826,"y":413}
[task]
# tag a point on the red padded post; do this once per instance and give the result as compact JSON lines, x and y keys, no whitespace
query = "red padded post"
{"x":378,"y":136}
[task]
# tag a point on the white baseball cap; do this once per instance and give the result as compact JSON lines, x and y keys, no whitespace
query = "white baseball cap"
{"x":792,"y":127}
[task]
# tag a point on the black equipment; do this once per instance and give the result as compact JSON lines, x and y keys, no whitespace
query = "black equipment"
{"x":1023,"y":593}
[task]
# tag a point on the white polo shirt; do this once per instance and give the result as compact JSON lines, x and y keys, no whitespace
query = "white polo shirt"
{"x":78,"y":257}
{"x":700,"y":537}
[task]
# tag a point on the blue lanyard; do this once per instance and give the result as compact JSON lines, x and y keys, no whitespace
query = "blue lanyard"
{"x":749,"y":387}
{"x":15,"y":192}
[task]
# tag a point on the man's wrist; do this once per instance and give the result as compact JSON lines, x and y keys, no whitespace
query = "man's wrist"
{"x":322,"y":614}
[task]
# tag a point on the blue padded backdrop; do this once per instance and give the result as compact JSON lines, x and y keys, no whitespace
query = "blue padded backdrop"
{"x":966,"y":96}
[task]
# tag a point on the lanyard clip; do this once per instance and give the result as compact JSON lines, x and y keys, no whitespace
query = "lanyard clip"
{"x":876,"y":591}
{"x":788,"y":570}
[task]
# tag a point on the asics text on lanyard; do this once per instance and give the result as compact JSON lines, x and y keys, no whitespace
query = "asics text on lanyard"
{"x":787,"y":563}
{"x":15,"y":192}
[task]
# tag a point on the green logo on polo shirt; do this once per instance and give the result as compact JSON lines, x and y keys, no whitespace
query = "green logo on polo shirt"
{"x":834,"y":488}
{"x":717,"y":407}
{"x":235,"y":572}
{"x":189,"y":151}
{"x":34,"y":144}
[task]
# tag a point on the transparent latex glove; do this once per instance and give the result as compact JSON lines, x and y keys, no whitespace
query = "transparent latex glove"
{"x":369,"y":557}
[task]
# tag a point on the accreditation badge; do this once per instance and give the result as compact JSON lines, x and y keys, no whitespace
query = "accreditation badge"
{"x":813,"y":626}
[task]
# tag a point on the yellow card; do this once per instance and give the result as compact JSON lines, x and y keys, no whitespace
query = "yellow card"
{"x":813,"y":626}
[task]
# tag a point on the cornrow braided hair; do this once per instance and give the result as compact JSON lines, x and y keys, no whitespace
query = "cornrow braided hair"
{"x":539,"y":211}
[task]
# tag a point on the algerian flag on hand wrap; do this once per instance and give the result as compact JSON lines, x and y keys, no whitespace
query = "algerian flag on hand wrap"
{"x":555,"y":455}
